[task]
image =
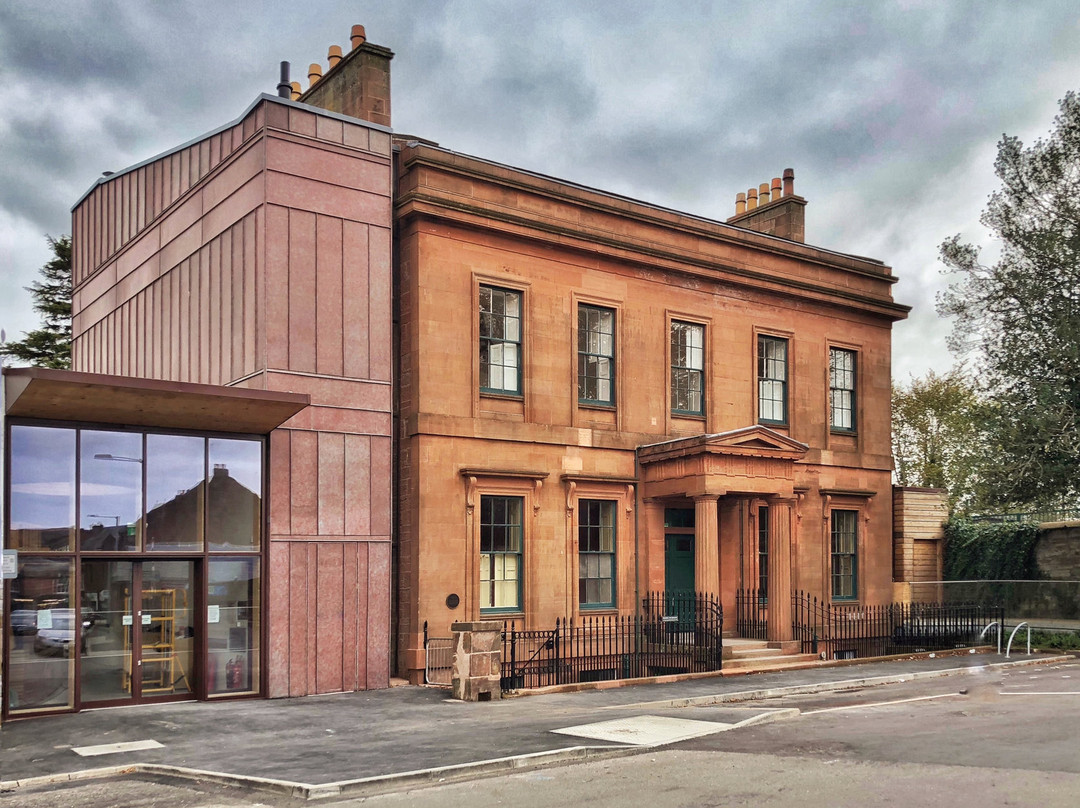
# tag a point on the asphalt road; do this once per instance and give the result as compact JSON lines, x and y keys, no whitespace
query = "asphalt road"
{"x":996,"y":739}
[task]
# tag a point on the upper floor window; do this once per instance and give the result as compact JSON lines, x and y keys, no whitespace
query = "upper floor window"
{"x":842,"y":389}
{"x":687,"y":368}
{"x":845,"y":543}
{"x":772,"y":380}
{"x":500,"y":340}
{"x":596,"y":552}
{"x":596,"y":355}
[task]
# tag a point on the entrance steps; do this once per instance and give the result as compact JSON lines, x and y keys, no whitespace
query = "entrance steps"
{"x":748,"y":656}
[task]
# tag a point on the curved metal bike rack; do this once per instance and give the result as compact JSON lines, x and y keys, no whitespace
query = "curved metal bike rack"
{"x":995,"y":625}
{"x":1008,"y":647}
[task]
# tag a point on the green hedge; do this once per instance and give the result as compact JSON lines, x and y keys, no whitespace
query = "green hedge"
{"x":990,"y":552}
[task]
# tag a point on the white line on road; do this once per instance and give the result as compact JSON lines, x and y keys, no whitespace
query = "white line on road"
{"x":878,"y":704}
{"x":1042,"y":693}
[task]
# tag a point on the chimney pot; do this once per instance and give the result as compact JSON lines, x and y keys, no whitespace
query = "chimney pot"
{"x":789,"y":181}
{"x":763,"y":194}
{"x":334,"y":56}
{"x":283,"y":88}
{"x":296,"y":91}
{"x":314,"y":73}
{"x":775,"y":188}
{"x":751,"y":199}
{"x":358,"y":37}
{"x":740,"y":204}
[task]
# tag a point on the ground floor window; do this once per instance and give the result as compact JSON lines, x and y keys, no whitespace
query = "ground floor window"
{"x":845,"y":542}
{"x":596,"y":552}
{"x":763,"y":551}
{"x":501,"y":530}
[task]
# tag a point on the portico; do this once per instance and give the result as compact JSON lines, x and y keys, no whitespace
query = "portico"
{"x":728,"y":477}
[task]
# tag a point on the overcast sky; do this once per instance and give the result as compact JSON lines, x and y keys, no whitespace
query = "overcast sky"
{"x":889,"y":112}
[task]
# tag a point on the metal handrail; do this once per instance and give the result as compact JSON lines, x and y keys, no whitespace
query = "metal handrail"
{"x":1008,"y":647}
{"x":995,"y":625}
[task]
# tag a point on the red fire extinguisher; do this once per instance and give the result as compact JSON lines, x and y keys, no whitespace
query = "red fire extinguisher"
{"x":234,"y":673}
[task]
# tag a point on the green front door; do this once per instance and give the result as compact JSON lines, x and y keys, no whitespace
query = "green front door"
{"x":678,"y":563}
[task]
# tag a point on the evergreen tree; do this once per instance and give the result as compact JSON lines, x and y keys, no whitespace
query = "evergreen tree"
{"x":50,"y":345}
{"x":1020,"y":316}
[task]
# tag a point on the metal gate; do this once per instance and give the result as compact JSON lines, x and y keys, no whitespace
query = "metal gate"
{"x":439,"y":662}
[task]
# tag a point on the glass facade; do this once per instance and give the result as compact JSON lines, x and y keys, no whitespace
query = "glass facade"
{"x":139,"y":566}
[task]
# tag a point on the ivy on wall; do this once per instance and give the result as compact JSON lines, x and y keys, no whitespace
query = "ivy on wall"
{"x":978,"y":551}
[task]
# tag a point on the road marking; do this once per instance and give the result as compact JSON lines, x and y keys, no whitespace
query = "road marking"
{"x":645,"y":730}
{"x":113,"y":748}
{"x":878,"y":704}
{"x":1043,"y":693}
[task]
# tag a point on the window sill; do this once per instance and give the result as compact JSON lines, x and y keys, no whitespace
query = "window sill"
{"x":503,"y":396}
{"x":689,"y":416}
{"x":595,"y":405}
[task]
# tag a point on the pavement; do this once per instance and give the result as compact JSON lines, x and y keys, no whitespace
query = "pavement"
{"x":353,"y":744}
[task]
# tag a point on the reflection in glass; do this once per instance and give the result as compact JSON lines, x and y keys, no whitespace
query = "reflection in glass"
{"x":232,"y":612}
{"x":234,"y":494}
{"x":174,"y":492}
{"x":110,"y":490}
{"x":167,"y":628}
{"x":106,"y":662}
{"x":42,"y":488}
{"x":42,"y":635}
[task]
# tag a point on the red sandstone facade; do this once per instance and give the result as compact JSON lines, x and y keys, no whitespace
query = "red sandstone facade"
{"x":583,"y":397}
{"x":464,"y":226}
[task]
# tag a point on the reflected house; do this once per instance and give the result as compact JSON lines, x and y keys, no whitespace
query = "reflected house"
{"x":233,"y":515}
{"x":594,"y":396}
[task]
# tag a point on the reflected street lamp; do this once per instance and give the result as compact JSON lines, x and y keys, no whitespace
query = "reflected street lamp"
{"x":118,"y":458}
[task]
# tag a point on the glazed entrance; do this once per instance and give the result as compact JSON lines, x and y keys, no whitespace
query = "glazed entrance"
{"x":139,"y":567}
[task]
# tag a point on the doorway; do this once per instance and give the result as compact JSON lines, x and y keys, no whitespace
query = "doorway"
{"x":138,"y":635}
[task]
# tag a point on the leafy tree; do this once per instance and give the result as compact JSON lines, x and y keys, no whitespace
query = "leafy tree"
{"x":50,"y":345}
{"x":937,"y":436}
{"x":1020,"y":316}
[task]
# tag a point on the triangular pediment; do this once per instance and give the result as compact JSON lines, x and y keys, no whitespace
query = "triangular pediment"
{"x":753,"y":440}
{"x":755,"y":437}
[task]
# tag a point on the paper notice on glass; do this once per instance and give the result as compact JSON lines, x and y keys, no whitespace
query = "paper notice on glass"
{"x":213,"y":614}
{"x":127,"y":620}
{"x":147,"y":619}
{"x":44,"y":618}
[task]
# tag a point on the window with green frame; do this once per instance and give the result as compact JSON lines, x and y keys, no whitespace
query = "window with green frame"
{"x":596,"y":355}
{"x":687,"y":368}
{"x":763,"y":551}
{"x":842,"y":390}
{"x":772,"y":380}
{"x":596,"y":552}
{"x":501,"y":532}
{"x":845,"y":548}
{"x":500,"y":340}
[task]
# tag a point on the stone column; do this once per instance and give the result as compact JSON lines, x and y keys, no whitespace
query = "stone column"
{"x":706,"y":546}
{"x":477,"y":660}
{"x":781,"y":516}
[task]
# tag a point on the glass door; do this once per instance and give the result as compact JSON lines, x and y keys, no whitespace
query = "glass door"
{"x":167,"y":629}
{"x":105,"y":650}
{"x":138,"y":631}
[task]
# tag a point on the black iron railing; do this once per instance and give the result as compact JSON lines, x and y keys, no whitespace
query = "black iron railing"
{"x":855,"y":631}
{"x":674,"y":633}
{"x":752,"y":614}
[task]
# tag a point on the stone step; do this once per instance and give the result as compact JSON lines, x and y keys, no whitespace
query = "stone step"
{"x":748,"y":653}
{"x":773,"y":663}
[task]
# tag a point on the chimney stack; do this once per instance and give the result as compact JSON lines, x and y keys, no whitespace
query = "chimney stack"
{"x":773,"y":208}
{"x":356,"y":83}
